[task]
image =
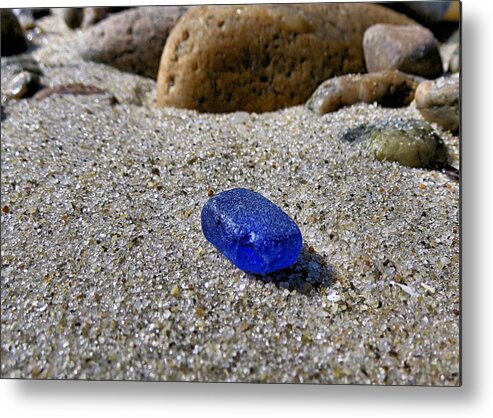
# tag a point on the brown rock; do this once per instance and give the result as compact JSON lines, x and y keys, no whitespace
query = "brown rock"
{"x":387,"y":88}
{"x":410,"y":48}
{"x":13,"y":39}
{"x":438,"y":101}
{"x":132,"y":40}
{"x":262,"y":57}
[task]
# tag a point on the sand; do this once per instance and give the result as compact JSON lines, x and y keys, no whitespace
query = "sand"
{"x":106,"y":273}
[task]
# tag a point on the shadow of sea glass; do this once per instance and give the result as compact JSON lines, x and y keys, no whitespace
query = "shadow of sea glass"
{"x":310,"y":272}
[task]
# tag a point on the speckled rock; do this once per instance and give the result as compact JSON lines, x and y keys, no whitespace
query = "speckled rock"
{"x":13,"y":39}
{"x":387,"y":88}
{"x":438,"y":101}
{"x":132,"y":40}
{"x":409,"y":142}
{"x":262,"y":57}
{"x":408,"y":48}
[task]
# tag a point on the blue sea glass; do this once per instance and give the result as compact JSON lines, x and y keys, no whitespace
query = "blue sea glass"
{"x":251,"y":231}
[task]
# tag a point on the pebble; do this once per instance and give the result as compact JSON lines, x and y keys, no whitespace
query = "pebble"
{"x":132,"y":40}
{"x":387,"y":88}
{"x":214,"y":61}
{"x":251,"y":231}
{"x":409,"y":48}
{"x":410,"y":142}
{"x":438,"y":101}
{"x":13,"y":40}
{"x":24,"y":84}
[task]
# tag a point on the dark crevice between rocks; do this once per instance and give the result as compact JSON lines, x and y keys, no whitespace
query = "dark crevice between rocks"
{"x":308,"y":275}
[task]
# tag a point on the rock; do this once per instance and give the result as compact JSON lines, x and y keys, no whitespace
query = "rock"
{"x":13,"y":39}
{"x":409,"y":142}
{"x":438,"y":101}
{"x":387,"y":88}
{"x":251,"y":231}
{"x":409,"y":48}
{"x":93,"y":15}
{"x":24,"y":84}
{"x":260,"y":58}
{"x":132,"y":40}
{"x":72,"y":16}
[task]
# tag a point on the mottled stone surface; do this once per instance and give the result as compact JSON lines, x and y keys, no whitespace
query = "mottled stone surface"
{"x":13,"y":39}
{"x":132,"y":40}
{"x":439,"y":101}
{"x":408,"y":48}
{"x":409,"y":142}
{"x":261,"y":58}
{"x":387,"y":88}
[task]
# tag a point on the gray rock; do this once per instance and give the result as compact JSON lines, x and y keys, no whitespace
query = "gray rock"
{"x":438,"y":101}
{"x":409,"y":142}
{"x":132,"y":40}
{"x":412,"y":144}
{"x":13,"y":39}
{"x":409,"y":48}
